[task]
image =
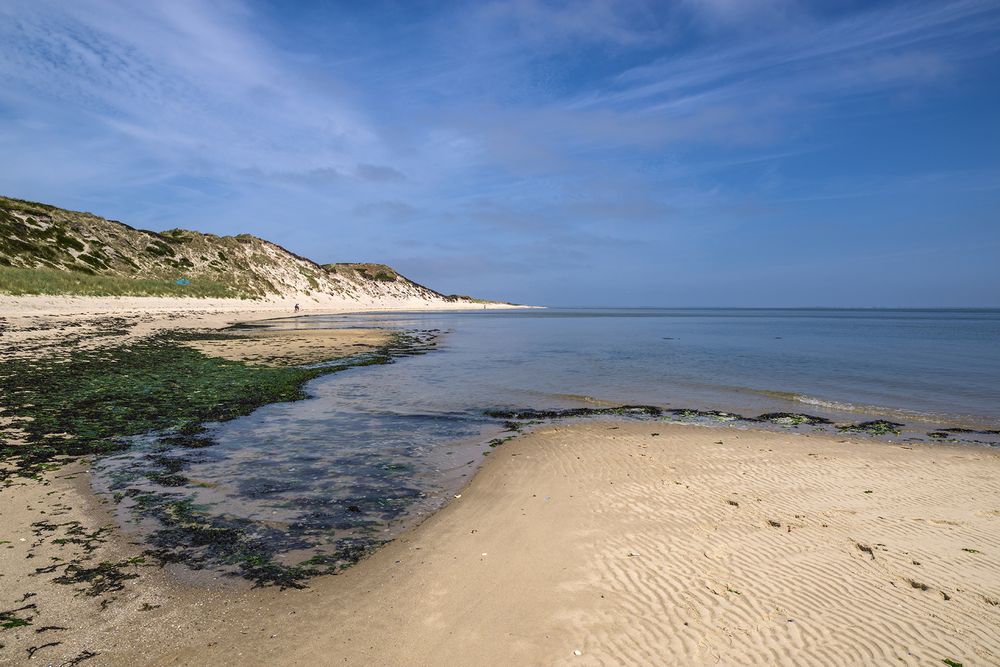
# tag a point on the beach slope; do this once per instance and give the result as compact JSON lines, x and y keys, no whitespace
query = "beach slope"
{"x":645,"y":543}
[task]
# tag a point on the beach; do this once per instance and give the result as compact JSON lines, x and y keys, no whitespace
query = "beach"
{"x":634,"y":548}
{"x":603,"y":541}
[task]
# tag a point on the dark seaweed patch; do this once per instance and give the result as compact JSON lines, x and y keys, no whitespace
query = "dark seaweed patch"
{"x":689,"y":414}
{"x":876,"y":427}
{"x":622,"y":410}
{"x":101,"y":579}
{"x":792,"y":419}
{"x":200,"y":540}
{"x":86,"y":403}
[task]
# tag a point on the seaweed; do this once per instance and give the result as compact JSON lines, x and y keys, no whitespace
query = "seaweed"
{"x":10,"y":619}
{"x":792,"y":419}
{"x":105,"y":577}
{"x":685,"y":414}
{"x":32,"y":650}
{"x":531,"y":414}
{"x":199,"y":540}
{"x":86,"y":404}
{"x":90,"y":402}
{"x":876,"y":427}
{"x":496,"y":442}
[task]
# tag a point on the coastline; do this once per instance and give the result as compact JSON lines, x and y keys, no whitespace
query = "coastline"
{"x":516,"y":567}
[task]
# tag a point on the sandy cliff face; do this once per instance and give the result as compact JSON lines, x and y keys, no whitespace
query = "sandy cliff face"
{"x":44,"y":249}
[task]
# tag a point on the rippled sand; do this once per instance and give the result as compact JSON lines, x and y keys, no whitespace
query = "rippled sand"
{"x":606,"y":544}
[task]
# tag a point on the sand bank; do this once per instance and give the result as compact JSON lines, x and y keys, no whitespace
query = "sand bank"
{"x":605,"y":543}
{"x":292,"y":347}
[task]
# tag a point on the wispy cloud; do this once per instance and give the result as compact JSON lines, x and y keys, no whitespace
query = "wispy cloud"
{"x":527,"y":127}
{"x":878,"y":49}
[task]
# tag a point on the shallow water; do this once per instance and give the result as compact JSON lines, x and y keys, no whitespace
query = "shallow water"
{"x":941,"y":366}
{"x":376,"y":448}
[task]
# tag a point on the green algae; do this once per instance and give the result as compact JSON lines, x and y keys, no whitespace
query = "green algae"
{"x":876,"y":427}
{"x":792,"y":419}
{"x":10,"y":620}
{"x":191,"y":536}
{"x":86,"y":403}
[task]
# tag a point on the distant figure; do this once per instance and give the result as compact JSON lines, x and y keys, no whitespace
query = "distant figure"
{"x":296,"y":308}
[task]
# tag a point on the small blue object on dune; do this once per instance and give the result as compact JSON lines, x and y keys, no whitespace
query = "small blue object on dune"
{"x":183,"y":281}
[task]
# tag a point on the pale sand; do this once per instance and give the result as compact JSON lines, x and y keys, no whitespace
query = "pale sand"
{"x":605,"y":539}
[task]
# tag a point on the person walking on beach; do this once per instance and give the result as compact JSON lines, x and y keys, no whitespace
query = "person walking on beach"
{"x":296,"y":308}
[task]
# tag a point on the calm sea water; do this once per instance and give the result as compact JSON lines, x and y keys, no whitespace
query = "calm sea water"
{"x":942,"y":366}
{"x":376,"y":448}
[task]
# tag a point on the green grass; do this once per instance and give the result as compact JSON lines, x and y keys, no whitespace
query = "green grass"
{"x":20,"y":281}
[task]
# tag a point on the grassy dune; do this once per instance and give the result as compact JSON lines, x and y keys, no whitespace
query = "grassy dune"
{"x":20,"y":281}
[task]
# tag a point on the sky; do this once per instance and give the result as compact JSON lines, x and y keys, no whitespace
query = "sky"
{"x":688,"y":153}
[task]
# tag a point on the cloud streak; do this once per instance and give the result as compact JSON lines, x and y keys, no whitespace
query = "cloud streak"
{"x":541,"y":128}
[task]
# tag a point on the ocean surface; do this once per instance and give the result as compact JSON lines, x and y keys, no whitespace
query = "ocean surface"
{"x":376,"y":448}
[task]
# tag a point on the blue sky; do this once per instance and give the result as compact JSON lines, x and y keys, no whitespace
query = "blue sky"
{"x":695,"y":153}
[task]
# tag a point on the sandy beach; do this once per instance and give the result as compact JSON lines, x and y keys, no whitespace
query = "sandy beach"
{"x":592,"y":543}
{"x":605,"y":543}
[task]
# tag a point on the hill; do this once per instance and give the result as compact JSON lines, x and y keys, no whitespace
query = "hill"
{"x":48,"y":250}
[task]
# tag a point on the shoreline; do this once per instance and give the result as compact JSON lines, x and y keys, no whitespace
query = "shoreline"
{"x":378,"y":599}
{"x":618,"y":539}
{"x":606,"y":539}
{"x":68,"y":567}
